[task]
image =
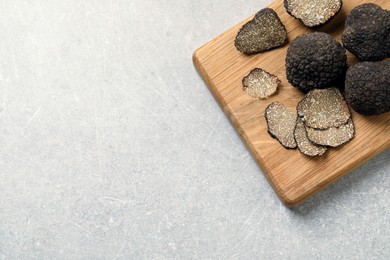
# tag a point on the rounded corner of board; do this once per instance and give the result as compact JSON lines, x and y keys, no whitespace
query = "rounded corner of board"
{"x":289,"y":201}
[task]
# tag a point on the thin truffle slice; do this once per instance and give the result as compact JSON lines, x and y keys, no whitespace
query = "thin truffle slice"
{"x":305,"y":146}
{"x":323,"y":108}
{"x":367,"y":32}
{"x":264,"y":32}
{"x":333,"y":136}
{"x":313,"y":12}
{"x":281,"y":124}
{"x":260,"y":84}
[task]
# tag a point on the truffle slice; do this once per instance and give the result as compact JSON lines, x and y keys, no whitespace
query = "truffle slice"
{"x":323,"y":108}
{"x":264,"y":32}
{"x":313,"y":12}
{"x":367,"y":87}
{"x":315,"y":60}
{"x":260,"y":84}
{"x":305,"y":146}
{"x":367,"y":32}
{"x":281,"y":124}
{"x":333,"y":136}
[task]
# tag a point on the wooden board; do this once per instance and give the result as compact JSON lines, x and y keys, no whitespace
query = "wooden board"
{"x":294,"y":177}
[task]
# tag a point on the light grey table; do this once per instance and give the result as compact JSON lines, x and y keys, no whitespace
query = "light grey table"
{"x":112,"y":147}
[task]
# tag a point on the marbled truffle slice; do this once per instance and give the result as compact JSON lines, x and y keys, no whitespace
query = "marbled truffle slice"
{"x":305,"y":146}
{"x":323,"y":108}
{"x":333,"y":136}
{"x":260,"y":84}
{"x":264,"y":32}
{"x":281,"y":124}
{"x":313,"y":12}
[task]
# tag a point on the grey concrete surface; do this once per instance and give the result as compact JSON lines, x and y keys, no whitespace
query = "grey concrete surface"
{"x":111,"y":146}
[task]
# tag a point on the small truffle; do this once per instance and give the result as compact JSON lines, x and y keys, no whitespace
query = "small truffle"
{"x":367,"y":32}
{"x":260,"y":84}
{"x":305,"y":146}
{"x":281,"y":124}
{"x":313,"y":13}
{"x":264,"y":32}
{"x":333,"y":136}
{"x":367,"y":87}
{"x":315,"y":60}
{"x":323,"y":108}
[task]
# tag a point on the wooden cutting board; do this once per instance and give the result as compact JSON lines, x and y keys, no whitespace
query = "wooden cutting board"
{"x":294,"y":176}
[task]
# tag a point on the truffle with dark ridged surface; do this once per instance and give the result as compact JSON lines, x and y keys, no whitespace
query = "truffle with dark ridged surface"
{"x":313,"y":13}
{"x":264,"y":32}
{"x":367,"y":87}
{"x":315,"y":60}
{"x":367,"y":32}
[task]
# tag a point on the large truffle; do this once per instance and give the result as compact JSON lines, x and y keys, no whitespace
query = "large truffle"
{"x":367,"y":87}
{"x":264,"y":32}
{"x":367,"y":32}
{"x":260,"y":84}
{"x":313,"y":13}
{"x":315,"y":60}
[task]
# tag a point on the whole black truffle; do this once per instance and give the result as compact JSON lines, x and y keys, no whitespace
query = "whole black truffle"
{"x":315,"y":60}
{"x":367,"y":32}
{"x":367,"y":87}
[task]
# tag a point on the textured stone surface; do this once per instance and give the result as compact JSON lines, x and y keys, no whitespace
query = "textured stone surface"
{"x":113,"y":148}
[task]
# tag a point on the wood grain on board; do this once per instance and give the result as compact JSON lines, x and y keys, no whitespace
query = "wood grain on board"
{"x":294,"y":176}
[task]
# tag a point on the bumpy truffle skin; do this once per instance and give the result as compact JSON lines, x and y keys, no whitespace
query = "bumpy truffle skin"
{"x":367,"y":32}
{"x":367,"y":87}
{"x":264,"y":32}
{"x":315,"y":60}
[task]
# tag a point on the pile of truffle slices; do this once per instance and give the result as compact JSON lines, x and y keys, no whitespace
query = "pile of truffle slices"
{"x":316,"y":64}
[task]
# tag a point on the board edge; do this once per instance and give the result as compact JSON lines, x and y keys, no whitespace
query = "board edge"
{"x":282,"y":195}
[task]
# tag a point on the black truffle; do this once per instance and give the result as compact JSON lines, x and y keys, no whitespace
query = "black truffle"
{"x":264,"y":32}
{"x":315,"y":60}
{"x":367,"y":32}
{"x":313,"y":13}
{"x":367,"y":87}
